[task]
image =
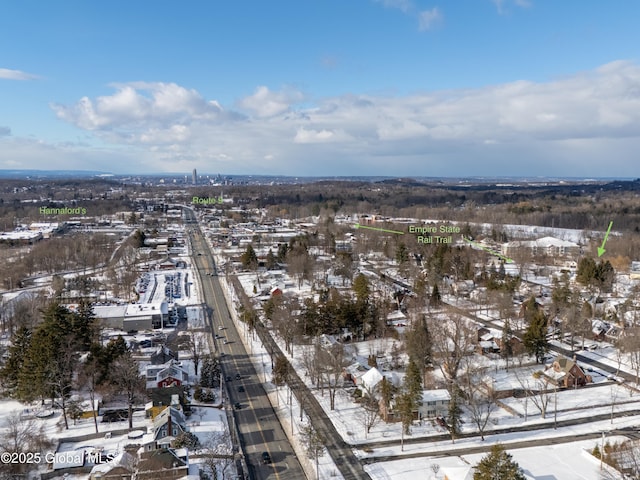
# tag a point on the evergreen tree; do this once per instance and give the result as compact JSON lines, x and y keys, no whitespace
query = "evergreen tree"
{"x":498,"y":465}
{"x":402,"y":254}
{"x":249,"y":258}
{"x":506,"y":348}
{"x":413,"y":383}
{"x":404,"y":406}
{"x":361,"y":289}
{"x":283,"y":250}
{"x":271,"y":260}
{"x":20,"y":344}
{"x":535,"y":338}
{"x":419,"y":343}
{"x":50,"y":343}
{"x":83,"y":325}
{"x":103,"y":357}
{"x":386,"y":391}
{"x":501,"y":271}
{"x":435,"y":300}
{"x":454,"y":413}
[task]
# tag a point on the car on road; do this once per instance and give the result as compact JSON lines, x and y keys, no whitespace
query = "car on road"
{"x":237,"y":406}
{"x":238,"y":376}
{"x":227,"y":378}
{"x":221,"y":327}
{"x":241,"y":389}
{"x":226,"y":342}
{"x":266,"y":458}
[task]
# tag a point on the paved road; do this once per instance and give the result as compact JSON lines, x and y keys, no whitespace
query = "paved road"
{"x":340,"y":451}
{"x":258,"y":426}
{"x":541,"y":442}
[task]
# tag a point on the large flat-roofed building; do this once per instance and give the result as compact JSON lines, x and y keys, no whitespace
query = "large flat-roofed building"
{"x":551,"y":246}
{"x":133,"y":316}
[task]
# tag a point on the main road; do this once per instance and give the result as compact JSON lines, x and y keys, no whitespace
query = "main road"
{"x":258,"y":426}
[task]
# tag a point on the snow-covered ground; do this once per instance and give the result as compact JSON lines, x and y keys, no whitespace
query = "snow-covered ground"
{"x":566,"y":461}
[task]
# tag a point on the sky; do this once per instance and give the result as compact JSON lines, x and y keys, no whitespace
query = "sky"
{"x":322,"y":87}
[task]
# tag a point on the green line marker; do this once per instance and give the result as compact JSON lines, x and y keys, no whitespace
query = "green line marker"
{"x":492,"y":252}
{"x":357,"y":225}
{"x":601,"y":249}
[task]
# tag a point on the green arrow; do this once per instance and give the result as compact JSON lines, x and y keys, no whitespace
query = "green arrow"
{"x":492,"y":252}
{"x":357,"y":225}
{"x":601,"y":249}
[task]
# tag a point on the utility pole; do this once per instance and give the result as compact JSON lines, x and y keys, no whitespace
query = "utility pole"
{"x":555,"y":407}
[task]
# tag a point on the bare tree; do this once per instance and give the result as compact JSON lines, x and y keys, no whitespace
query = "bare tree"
{"x":630,"y":344}
{"x":313,"y":443}
{"x":452,"y":340}
{"x":310,"y":364}
{"x":369,"y":415}
{"x":481,"y":397}
{"x":88,"y":378}
{"x":22,"y":436}
{"x":332,"y":363}
{"x":218,"y":453}
{"x":61,"y":376}
{"x":125,"y":378}
{"x":282,"y":321}
{"x":194,"y":343}
{"x":539,"y":393}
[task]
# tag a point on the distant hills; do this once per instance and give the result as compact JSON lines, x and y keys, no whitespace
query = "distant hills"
{"x":499,"y":182}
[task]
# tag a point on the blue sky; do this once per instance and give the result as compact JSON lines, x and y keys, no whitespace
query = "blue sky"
{"x":322,"y":87}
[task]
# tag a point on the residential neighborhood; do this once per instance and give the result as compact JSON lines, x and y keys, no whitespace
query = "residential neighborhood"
{"x":400,"y":349}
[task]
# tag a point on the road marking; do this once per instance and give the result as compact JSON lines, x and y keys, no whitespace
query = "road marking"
{"x":235,"y":362}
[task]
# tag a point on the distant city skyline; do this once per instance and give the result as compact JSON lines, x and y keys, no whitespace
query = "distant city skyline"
{"x":369,"y":87}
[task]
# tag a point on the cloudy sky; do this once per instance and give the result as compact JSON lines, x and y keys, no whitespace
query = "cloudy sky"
{"x":322,"y":87}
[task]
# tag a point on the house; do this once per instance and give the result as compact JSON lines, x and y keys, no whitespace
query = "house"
{"x":165,"y":463}
{"x":275,"y":291}
{"x":163,"y":355}
{"x":458,"y":473}
{"x":567,"y":373}
{"x":170,"y":422}
{"x":397,"y":319}
{"x":487,"y":341}
{"x":170,"y":374}
{"x":120,"y":467}
{"x":435,"y":403}
{"x":371,"y":379}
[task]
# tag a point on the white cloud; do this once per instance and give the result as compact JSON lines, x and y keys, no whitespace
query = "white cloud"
{"x":8,"y":74}
{"x":140,"y":103}
{"x":502,"y":5}
{"x":427,"y":19}
{"x":403,"y":5}
{"x":266,"y":103}
{"x":456,"y":132}
{"x":304,"y":135}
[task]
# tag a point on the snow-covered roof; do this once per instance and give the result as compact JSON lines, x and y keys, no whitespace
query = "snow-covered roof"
{"x":371,"y":378}
{"x":437,"y":395}
{"x":396,"y":315}
{"x":458,"y":473}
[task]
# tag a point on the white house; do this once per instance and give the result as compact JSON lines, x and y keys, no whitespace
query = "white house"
{"x":435,"y":403}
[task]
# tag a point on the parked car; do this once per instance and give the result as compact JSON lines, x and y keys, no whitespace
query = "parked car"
{"x":266,"y":458}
